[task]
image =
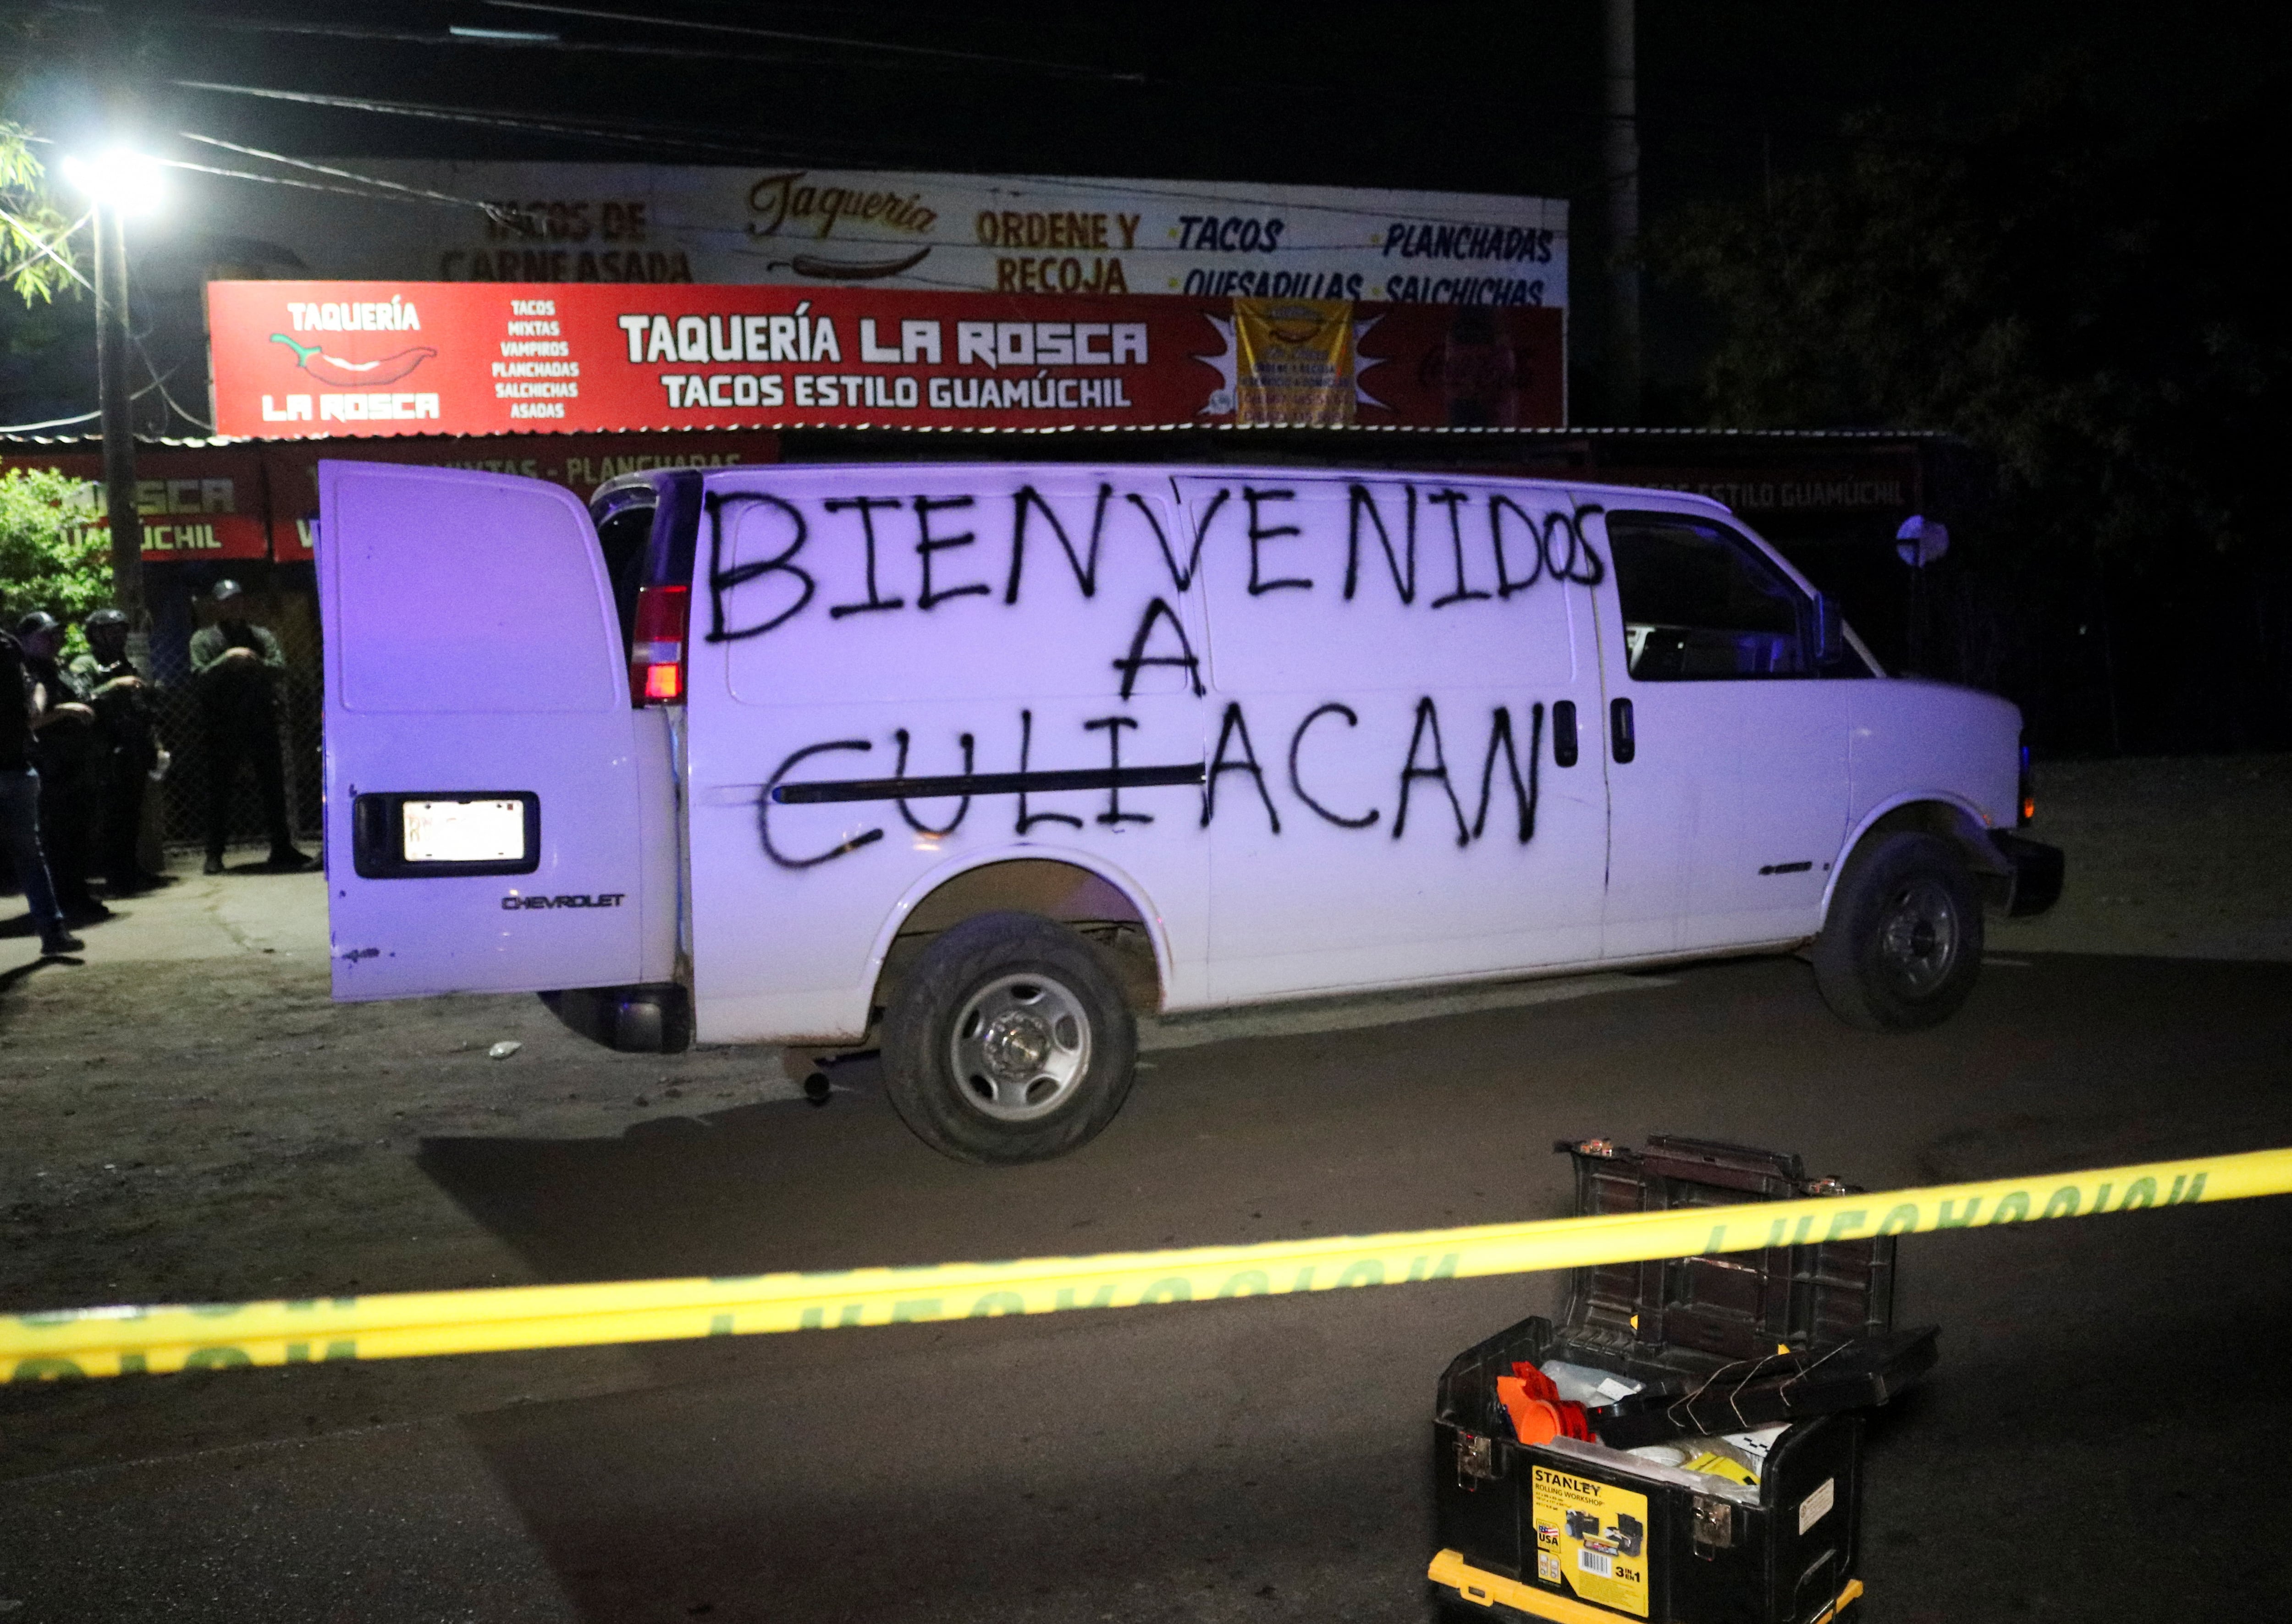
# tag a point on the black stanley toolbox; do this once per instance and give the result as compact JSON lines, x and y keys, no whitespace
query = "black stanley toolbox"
{"x":1745,"y":1507}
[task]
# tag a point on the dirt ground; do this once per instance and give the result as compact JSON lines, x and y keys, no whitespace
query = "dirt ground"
{"x":2179,"y":857}
{"x":214,"y":1127}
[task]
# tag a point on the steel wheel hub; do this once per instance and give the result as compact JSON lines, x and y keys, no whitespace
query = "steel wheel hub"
{"x":1918,"y":936}
{"x":1020,"y":1046}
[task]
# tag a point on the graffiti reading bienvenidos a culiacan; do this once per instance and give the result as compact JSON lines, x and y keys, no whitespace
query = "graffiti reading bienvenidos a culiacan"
{"x":1428,"y":547}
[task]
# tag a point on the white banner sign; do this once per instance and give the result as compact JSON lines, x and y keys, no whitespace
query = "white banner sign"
{"x":631,"y":223}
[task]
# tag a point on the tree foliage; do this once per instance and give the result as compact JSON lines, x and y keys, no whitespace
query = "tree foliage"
{"x":52,"y":555}
{"x":36,"y":253}
{"x":2089,"y":304}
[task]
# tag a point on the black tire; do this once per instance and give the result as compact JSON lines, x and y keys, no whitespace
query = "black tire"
{"x":1010,"y":1042}
{"x":1902,"y":946}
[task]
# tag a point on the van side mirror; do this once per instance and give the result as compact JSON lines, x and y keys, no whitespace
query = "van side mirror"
{"x":1829,"y":632}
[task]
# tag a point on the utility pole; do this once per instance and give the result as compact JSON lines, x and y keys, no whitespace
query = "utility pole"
{"x":118,"y":414}
{"x":1621,"y":156}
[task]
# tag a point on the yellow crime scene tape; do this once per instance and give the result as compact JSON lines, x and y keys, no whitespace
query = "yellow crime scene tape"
{"x":215,"y":1335}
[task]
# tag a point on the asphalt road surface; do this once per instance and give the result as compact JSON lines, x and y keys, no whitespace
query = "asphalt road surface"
{"x":2106,"y":1437}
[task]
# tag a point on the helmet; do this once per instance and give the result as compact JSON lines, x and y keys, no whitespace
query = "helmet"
{"x":105,"y":617}
{"x":32,"y":624}
{"x":225,"y":591}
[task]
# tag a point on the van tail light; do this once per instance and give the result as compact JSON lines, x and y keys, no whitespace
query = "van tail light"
{"x":657,"y":652}
{"x":2026,"y":793}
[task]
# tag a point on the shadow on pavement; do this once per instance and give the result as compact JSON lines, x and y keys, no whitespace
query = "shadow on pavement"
{"x":755,"y":1187}
{"x":1267,"y":1460}
{"x":24,"y":924}
{"x":10,"y":979}
{"x":787,"y":1185}
{"x":1266,"y":1464}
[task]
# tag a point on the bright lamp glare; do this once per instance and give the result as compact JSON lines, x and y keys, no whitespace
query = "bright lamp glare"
{"x":119,"y":179}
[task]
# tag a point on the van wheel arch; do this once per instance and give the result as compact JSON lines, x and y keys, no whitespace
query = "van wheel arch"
{"x":1946,"y":821}
{"x":1104,"y":911}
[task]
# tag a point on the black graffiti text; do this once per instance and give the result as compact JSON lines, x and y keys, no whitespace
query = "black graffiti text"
{"x":1509,"y":756}
{"x":914,"y":552}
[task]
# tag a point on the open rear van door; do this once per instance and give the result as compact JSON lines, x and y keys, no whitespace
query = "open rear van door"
{"x":483,"y":829}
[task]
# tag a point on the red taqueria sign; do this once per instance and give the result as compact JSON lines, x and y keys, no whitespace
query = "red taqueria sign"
{"x":194,"y":505}
{"x":295,"y":359}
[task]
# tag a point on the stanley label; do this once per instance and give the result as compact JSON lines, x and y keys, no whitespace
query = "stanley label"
{"x":1591,"y":1539}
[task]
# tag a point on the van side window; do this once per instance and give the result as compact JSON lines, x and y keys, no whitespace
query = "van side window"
{"x":1701,"y":604}
{"x":624,"y":532}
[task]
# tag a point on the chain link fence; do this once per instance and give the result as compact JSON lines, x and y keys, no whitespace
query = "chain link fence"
{"x":175,"y":817}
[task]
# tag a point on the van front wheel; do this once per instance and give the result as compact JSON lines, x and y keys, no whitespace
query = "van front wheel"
{"x":1902,"y":946}
{"x":1009,"y":1042}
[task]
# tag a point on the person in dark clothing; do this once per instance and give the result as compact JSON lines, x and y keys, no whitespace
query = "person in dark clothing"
{"x":19,"y":801}
{"x":69,"y":757}
{"x":127,"y":729}
{"x":236,"y":666}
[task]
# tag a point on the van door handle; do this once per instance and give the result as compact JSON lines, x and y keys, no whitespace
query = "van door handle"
{"x":1623,"y":744}
{"x":1563,"y":733}
{"x":370,"y":833}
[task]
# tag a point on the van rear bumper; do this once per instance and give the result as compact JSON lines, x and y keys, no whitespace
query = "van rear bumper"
{"x":655,"y":1019}
{"x":2033,"y":873}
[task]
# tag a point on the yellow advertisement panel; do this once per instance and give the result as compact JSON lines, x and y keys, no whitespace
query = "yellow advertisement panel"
{"x":1592,"y":1536}
{"x":1294,"y":360}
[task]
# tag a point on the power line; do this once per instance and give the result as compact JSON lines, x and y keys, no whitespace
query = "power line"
{"x":32,"y":234}
{"x":749,"y":30}
{"x":58,"y":422}
{"x":53,"y":422}
{"x":492,"y":211}
{"x":160,"y":383}
{"x":234,"y":175}
{"x":649,"y":136}
{"x":1174,"y":191}
{"x":276,"y":180}
{"x":541,"y":42}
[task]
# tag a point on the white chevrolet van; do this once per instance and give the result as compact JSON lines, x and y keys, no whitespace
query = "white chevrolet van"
{"x":975,"y":761}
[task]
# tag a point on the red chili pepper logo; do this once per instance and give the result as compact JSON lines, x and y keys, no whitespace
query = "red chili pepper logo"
{"x":354,"y":374}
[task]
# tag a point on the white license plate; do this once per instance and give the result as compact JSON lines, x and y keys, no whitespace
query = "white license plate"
{"x":465,"y":831}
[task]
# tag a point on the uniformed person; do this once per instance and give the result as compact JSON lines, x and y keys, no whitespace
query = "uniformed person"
{"x":19,"y":801}
{"x":67,"y":752}
{"x":126,"y":725}
{"x":236,"y":667}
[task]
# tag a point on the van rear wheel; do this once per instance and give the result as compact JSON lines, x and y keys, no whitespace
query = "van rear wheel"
{"x":1902,"y":946}
{"x":1008,"y":1042}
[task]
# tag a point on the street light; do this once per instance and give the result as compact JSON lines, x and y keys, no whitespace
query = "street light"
{"x":120,"y":183}
{"x":120,"y":179}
